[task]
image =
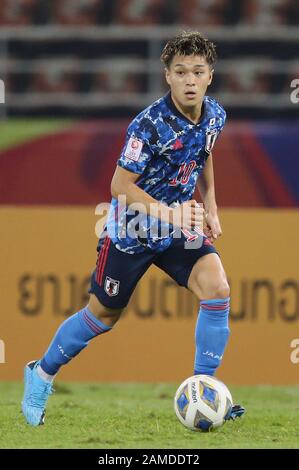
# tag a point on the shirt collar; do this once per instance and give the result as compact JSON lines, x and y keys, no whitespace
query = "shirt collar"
{"x":177,"y":113}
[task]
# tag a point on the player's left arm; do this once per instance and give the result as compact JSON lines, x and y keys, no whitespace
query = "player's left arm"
{"x":206,"y":186}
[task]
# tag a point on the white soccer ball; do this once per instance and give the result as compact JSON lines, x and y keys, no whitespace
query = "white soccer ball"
{"x":202,"y":403}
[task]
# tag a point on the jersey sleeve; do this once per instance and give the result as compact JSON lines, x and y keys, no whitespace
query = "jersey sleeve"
{"x":222,"y":120}
{"x":137,"y":151}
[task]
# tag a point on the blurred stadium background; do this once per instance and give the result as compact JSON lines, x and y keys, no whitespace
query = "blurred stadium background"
{"x":75,"y":73}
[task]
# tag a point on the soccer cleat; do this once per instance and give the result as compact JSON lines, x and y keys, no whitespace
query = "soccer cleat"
{"x":36,"y":394}
{"x":236,"y":412}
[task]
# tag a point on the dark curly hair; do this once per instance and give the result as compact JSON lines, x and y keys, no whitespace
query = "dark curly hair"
{"x":189,"y":43}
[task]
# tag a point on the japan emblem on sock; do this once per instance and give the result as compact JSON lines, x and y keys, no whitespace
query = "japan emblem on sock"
{"x":133,"y":149}
{"x":111,"y":286}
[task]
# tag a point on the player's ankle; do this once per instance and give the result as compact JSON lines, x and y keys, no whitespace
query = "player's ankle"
{"x":44,"y":376}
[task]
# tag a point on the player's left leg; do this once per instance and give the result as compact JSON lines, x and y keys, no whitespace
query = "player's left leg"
{"x":197,"y":266}
{"x":209,"y":283}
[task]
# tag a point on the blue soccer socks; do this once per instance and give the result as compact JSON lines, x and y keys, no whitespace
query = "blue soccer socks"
{"x":211,"y":335}
{"x":71,"y":337}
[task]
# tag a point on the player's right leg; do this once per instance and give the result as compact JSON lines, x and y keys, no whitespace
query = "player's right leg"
{"x":112,"y":284}
{"x":72,"y":336}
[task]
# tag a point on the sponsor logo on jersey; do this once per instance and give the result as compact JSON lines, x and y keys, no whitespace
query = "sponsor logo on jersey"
{"x":177,"y":145}
{"x":133,"y":149}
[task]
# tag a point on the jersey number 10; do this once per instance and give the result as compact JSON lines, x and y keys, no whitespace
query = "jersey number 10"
{"x":184,"y":173}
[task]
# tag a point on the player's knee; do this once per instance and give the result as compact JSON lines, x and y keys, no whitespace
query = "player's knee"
{"x":222,"y":290}
{"x":109,"y":316}
{"x":215,"y":289}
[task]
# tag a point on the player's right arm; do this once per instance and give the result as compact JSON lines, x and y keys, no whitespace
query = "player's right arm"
{"x":186,"y":216}
{"x":138,"y":152}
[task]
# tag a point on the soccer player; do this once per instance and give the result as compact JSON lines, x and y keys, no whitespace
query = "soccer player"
{"x":167,"y":152}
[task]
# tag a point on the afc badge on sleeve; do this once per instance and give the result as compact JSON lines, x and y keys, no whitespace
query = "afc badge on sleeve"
{"x":133,"y":149}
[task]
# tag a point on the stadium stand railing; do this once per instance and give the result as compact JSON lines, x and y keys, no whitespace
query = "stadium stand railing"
{"x":100,"y":69}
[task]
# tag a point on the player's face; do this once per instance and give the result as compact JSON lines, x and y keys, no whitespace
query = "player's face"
{"x":189,"y":78}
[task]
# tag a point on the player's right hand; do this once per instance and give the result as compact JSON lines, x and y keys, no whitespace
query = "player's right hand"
{"x":188,"y":215}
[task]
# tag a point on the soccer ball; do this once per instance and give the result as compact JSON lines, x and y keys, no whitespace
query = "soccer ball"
{"x":202,"y":403}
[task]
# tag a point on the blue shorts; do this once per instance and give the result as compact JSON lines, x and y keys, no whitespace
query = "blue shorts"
{"x":117,"y":273}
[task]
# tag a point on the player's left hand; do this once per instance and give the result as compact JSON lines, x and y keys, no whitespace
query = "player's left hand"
{"x":212,"y":228}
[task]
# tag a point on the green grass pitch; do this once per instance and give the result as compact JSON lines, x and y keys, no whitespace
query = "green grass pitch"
{"x":141,"y":416}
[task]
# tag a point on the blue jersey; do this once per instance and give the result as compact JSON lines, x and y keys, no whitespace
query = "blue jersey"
{"x":169,"y":152}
